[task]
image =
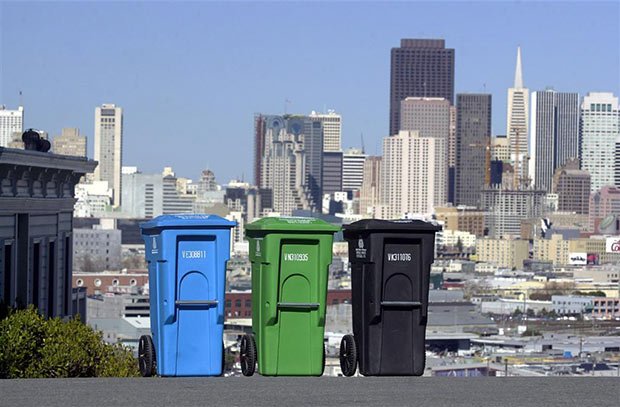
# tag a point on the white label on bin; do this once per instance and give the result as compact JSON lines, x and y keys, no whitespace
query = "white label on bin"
{"x":399,"y":256}
{"x":360,"y":252}
{"x":154,"y":249}
{"x":258,"y":254}
{"x":296,"y":256}
{"x":194,"y":254}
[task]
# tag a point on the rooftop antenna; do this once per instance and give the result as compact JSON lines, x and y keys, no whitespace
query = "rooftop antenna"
{"x":363,"y":148}
{"x":21,"y":99}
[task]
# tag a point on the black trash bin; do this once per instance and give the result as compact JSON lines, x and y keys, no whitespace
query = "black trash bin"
{"x":390,"y":272}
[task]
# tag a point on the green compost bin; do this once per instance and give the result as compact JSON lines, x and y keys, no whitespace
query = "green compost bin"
{"x":290,"y":259}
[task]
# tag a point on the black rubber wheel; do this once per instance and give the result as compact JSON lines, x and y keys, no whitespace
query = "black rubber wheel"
{"x":248,"y":355}
{"x":223,"y":359}
{"x":146,"y":356}
{"x":348,"y":355}
{"x":323,"y":368}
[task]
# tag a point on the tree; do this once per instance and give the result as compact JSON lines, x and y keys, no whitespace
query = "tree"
{"x":32,"y":346}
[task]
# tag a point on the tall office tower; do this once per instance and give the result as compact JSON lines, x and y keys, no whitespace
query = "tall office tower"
{"x":332,"y":172}
{"x":290,"y":155}
{"x":69,"y":143}
{"x":108,"y":148}
{"x":600,"y":129}
{"x":506,"y":208}
{"x":473,"y":137}
{"x":452,"y":156}
{"x":353,"y":169}
{"x":554,"y":134}
{"x":517,"y":123}
{"x":369,"y":193}
{"x":11,"y":121}
{"x":572,"y":186}
{"x":332,"y":129}
{"x":429,"y":116}
{"x":407,"y":159}
{"x":419,"y":67}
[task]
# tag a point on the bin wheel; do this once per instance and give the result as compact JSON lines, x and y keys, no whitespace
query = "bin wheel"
{"x":348,"y":355}
{"x":223,"y":358}
{"x":248,"y":355}
{"x":146,"y":356}
{"x":323,"y":368}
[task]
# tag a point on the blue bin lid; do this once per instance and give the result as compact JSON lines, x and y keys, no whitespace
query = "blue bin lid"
{"x":188,"y":220}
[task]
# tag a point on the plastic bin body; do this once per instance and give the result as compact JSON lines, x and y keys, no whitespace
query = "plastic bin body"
{"x":390,"y":272}
{"x":290,"y":260}
{"x":187,"y":257}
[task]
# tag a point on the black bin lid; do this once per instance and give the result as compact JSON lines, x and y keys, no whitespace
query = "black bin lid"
{"x":398,"y":226}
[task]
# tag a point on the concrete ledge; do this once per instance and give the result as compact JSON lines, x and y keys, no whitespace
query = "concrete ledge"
{"x":319,"y":391}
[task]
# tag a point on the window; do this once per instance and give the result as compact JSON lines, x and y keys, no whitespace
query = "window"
{"x":7,"y":271}
{"x":36,"y":273}
{"x":248,"y":303}
{"x":238,"y":303}
{"x":115,"y":282}
{"x":51,"y":279}
{"x":133,"y":282}
{"x":97,"y":282}
{"x":79,"y":282}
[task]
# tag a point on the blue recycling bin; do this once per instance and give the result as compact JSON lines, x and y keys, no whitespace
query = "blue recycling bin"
{"x":187,"y":257}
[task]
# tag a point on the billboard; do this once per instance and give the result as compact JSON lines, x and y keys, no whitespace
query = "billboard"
{"x":593,"y":259}
{"x":578,"y":259}
{"x":613,"y":244}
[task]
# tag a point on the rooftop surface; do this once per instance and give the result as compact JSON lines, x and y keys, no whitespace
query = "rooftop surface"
{"x":323,"y":391}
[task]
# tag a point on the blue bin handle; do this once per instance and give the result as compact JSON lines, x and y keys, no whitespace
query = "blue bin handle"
{"x":210,"y":303}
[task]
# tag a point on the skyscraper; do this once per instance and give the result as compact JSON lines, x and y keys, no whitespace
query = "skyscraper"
{"x":473,"y":137}
{"x":422,"y":68}
{"x":369,"y":193}
{"x":554,"y":134}
{"x":332,"y":129}
{"x":69,"y":143}
{"x":11,"y":121}
{"x":289,"y":161}
{"x":429,"y":116}
{"x":517,"y":123}
{"x":600,"y":130}
{"x":408,"y":159}
{"x":332,"y":172}
{"x":572,"y":186}
{"x":108,"y":148}
{"x":352,"y":169}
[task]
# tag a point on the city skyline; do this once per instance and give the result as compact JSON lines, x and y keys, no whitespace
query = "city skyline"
{"x":159,"y":73}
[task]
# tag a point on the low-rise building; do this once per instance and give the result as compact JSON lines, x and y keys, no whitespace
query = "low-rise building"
{"x":97,"y":249}
{"x":571,"y":304}
{"x":462,"y":218}
{"x":605,"y":307}
{"x":503,"y":252}
{"x":453,"y":237}
{"x":36,"y":214}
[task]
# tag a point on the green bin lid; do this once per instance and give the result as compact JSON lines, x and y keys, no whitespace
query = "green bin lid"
{"x":292,"y":224}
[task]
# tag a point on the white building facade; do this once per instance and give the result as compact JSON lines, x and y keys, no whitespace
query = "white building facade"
{"x":518,"y":119}
{"x":408,"y":159}
{"x":11,"y":121}
{"x":332,"y":129}
{"x":600,"y":133}
{"x":108,"y":148}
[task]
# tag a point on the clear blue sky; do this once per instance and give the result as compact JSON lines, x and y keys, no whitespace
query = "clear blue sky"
{"x":190,"y":76}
